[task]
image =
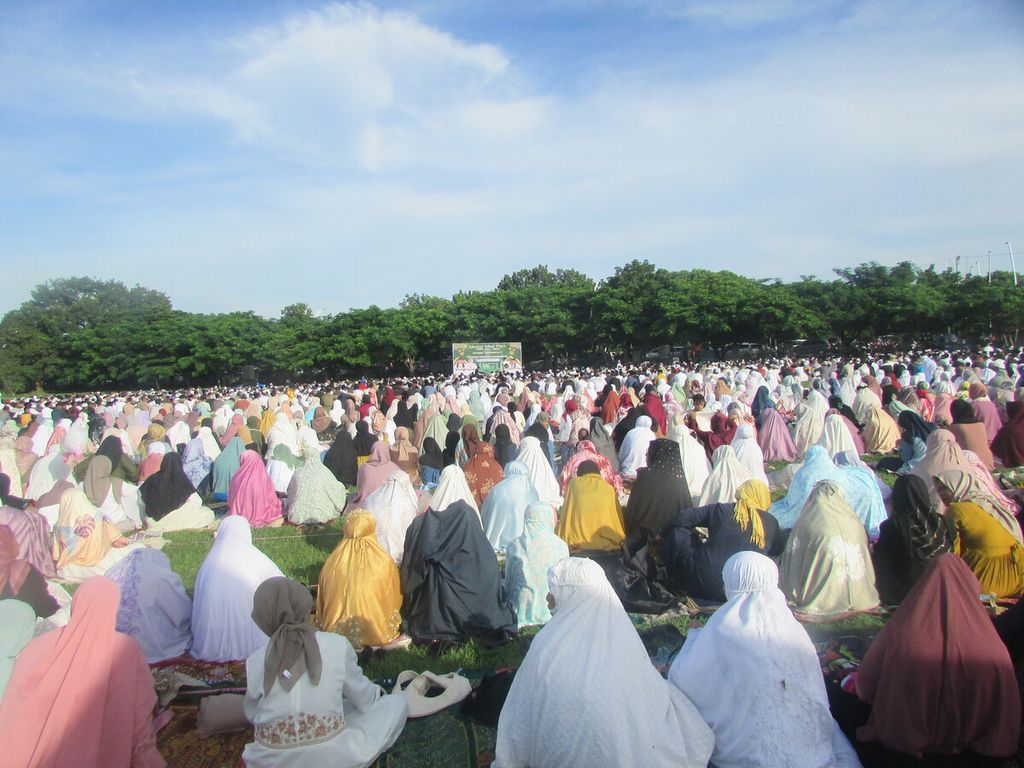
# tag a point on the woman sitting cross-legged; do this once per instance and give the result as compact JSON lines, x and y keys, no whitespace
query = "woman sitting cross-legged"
{"x":309,"y":701}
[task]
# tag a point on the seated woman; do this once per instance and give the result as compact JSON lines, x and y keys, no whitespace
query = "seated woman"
{"x":170,"y":501}
{"x":451,"y":584}
{"x":309,"y":701}
{"x":694,"y":562}
{"x":251,"y":493}
{"x":363,"y":442}
{"x":911,"y":447}
{"x":633,"y":452}
{"x":405,"y":455}
{"x":505,"y":506}
{"x":563,"y":702}
{"x":154,"y":456}
{"x":586,"y":450}
{"x":198,"y":466}
{"x":941,"y":455}
{"x":591,"y":516}
{"x":880,"y":433}
{"x":985,"y":410}
{"x":20,"y":580}
{"x":938,"y":679}
{"x":482,"y":471}
{"x":727,"y":475}
{"x":32,"y":530}
{"x":314,"y":495}
{"x":987,"y":538}
{"x":394,"y":506}
{"x":532,"y":454}
{"x":527,"y":560}
{"x":774,"y":438}
{"x":359,"y":595}
{"x":121,"y":466}
{"x":41,"y":718}
{"x":826,"y":565}
{"x":1009,"y":443}
{"x":452,"y":487}
{"x":731,"y":670}
{"x":374,"y":472}
{"x":224,"y":468}
{"x":970,"y":433}
{"x":914,"y":534}
{"x":85,"y":542}
{"x":341,"y":459}
{"x":860,"y":490}
{"x":116,"y":499}
{"x":154,"y":607}
{"x":431,"y":462}
{"x":222,"y":624}
{"x":660,"y":490}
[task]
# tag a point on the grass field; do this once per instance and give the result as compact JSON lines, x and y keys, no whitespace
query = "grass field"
{"x":301,"y":552}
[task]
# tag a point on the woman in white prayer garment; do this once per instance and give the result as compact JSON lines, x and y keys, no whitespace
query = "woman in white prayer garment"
{"x":587,"y":693}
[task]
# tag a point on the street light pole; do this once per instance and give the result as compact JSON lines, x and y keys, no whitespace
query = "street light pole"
{"x":1013,"y":264}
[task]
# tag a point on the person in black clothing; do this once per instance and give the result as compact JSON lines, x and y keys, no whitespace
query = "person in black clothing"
{"x":914,"y":534}
{"x":660,"y":490}
{"x":451,"y":583}
{"x":694,"y":565}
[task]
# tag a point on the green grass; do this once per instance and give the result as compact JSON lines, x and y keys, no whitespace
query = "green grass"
{"x":298,"y":552}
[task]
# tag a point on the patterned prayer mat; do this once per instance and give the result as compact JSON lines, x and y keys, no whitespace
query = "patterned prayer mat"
{"x":182,"y":748}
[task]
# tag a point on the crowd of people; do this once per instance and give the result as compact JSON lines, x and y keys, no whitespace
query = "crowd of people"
{"x":476,"y":505}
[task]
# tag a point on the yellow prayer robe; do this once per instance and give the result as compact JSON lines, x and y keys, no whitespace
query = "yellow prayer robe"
{"x":359,"y":594}
{"x":989,"y":549}
{"x":591,"y":516}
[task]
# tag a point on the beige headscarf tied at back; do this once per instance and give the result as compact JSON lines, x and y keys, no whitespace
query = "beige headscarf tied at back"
{"x":281,"y":608}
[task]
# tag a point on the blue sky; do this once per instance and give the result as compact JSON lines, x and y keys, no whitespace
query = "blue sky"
{"x":250,"y":155}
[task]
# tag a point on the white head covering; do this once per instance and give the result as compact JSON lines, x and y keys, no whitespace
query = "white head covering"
{"x":179,"y":433}
{"x":633,"y":453}
{"x":452,"y":487}
{"x":836,"y":437}
{"x":210,"y":446}
{"x":541,"y":474}
{"x":46,"y":473}
{"x":748,"y":452}
{"x":394,"y":507}
{"x":222,"y":625}
{"x":585,"y":672}
{"x":696,"y":466}
{"x":732,"y":669}
{"x":727,"y":475}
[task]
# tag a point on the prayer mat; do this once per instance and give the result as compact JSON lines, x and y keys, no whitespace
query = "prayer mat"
{"x":216,"y":674}
{"x":182,"y":748}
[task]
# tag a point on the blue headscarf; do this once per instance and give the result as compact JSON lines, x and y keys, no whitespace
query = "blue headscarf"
{"x":858,"y":484}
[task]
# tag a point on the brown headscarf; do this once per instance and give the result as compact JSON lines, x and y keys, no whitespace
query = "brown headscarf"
{"x":321,"y":421}
{"x":470,"y":440}
{"x":98,"y":482}
{"x":281,"y":608}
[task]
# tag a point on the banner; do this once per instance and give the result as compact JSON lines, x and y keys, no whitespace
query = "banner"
{"x":489,"y":357}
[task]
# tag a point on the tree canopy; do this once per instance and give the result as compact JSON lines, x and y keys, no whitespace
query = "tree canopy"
{"x":82,"y":333}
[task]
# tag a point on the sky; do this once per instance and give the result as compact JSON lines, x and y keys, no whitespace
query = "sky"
{"x":250,"y":155}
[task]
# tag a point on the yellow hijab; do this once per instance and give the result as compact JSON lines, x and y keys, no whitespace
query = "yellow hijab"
{"x":591,"y":516}
{"x":752,"y":497}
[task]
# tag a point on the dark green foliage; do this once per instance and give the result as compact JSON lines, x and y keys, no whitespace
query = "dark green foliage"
{"x":80,"y":333}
